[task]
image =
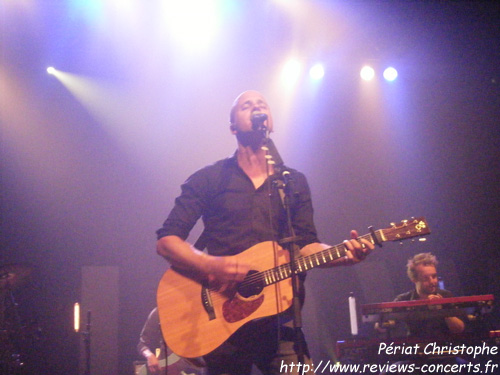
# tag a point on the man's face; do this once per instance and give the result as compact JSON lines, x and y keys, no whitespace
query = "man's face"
{"x":427,"y":279}
{"x":248,"y":103}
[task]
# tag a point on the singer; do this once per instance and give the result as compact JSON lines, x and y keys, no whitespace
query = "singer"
{"x":240,"y":207}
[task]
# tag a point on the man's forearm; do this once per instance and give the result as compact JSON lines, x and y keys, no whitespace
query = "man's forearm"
{"x":181,"y":254}
{"x":455,"y":325}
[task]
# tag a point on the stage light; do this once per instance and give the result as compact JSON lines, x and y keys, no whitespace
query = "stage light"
{"x":367,"y":73}
{"x":390,"y":74}
{"x":317,"y":72}
{"x":76,"y":317}
{"x":291,"y":71}
{"x":193,"y":24}
{"x":51,"y":70}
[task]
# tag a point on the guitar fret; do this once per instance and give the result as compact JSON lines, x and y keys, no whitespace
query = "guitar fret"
{"x":318,"y":260}
{"x":288,"y":270}
{"x":299,"y":266}
{"x":267,"y":278}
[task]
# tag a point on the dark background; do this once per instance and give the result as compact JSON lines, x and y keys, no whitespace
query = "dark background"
{"x":90,"y":164}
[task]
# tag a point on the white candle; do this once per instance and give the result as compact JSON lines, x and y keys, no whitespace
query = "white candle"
{"x":76,"y":316}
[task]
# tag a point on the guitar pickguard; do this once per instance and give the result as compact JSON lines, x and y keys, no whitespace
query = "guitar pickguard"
{"x":237,"y":309}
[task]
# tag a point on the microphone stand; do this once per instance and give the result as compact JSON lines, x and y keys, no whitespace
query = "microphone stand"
{"x":289,"y":243}
{"x":86,"y":340}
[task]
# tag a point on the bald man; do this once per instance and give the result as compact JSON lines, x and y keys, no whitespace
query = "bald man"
{"x":239,"y":206}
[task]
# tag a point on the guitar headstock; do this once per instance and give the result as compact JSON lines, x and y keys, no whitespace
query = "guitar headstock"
{"x":415,"y":227}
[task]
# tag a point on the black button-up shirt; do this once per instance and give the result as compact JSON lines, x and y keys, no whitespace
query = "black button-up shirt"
{"x":235,"y":215}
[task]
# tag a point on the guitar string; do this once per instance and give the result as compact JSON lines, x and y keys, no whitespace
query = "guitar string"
{"x":305,"y":263}
{"x":285,"y":268}
{"x":276,"y":274}
{"x":302,"y":263}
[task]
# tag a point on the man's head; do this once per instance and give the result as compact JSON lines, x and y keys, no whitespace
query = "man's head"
{"x":422,"y":271}
{"x":248,"y":103}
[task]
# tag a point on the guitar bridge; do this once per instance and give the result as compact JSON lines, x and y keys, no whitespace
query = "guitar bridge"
{"x":206,"y":300}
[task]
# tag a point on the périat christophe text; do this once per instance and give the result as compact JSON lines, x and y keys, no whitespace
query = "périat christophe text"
{"x":434,"y":349}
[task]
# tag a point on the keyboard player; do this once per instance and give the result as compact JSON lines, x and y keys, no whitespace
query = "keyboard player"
{"x":422,"y":271}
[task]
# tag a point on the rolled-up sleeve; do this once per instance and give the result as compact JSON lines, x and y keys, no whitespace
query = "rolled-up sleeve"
{"x":188,"y":208}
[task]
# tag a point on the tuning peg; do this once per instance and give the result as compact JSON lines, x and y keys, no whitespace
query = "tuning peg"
{"x":393,"y":225}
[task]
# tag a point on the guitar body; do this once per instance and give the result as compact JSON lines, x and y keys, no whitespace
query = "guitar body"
{"x":196,"y":320}
{"x":191,"y":330}
{"x":176,"y":365}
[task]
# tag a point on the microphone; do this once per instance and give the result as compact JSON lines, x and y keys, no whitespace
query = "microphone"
{"x":258,"y":119}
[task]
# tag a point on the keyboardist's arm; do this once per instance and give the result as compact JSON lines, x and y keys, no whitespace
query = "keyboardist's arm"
{"x":455,"y":325}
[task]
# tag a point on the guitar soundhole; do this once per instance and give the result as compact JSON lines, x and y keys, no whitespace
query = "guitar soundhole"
{"x":250,"y":286}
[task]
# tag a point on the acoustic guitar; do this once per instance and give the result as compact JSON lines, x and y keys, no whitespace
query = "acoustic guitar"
{"x":196,"y":318}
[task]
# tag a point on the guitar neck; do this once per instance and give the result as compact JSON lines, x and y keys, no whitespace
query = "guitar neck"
{"x":332,"y":253}
{"x":415,"y":227}
{"x":303,"y":264}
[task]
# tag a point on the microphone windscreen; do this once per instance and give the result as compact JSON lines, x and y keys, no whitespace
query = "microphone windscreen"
{"x":258,"y":119}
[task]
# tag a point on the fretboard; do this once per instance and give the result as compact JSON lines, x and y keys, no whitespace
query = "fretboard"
{"x":303,"y":264}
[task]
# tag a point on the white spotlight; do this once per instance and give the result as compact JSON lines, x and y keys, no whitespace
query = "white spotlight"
{"x":51,"y":70}
{"x":367,"y":73}
{"x":291,"y":72}
{"x":390,"y":74}
{"x":193,"y":24}
{"x":317,"y":72}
